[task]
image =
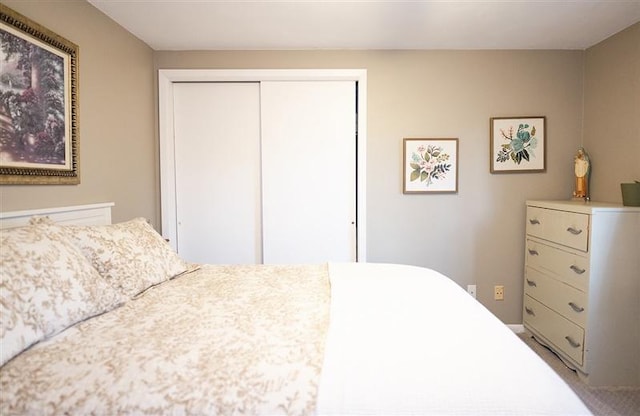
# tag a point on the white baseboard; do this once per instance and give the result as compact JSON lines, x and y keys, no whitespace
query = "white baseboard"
{"x":516,"y":328}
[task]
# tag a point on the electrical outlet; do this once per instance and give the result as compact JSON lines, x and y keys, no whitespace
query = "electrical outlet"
{"x":498,"y":292}
{"x":472,"y":290}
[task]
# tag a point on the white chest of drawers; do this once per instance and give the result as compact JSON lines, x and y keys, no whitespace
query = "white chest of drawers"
{"x":582,"y":287}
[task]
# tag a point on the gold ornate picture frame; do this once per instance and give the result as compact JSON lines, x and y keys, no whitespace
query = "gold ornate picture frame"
{"x":39,"y":141}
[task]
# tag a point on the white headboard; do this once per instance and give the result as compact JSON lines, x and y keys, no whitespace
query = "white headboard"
{"x":94,"y":214}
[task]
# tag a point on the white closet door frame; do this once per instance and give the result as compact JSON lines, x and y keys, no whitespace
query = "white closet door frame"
{"x":166,"y":79}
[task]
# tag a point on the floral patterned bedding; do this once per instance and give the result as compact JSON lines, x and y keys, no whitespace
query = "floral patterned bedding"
{"x":220,"y":340}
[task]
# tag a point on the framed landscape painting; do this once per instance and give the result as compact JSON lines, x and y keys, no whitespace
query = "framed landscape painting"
{"x":38,"y":104}
{"x":430,"y":166}
{"x":517,"y":144}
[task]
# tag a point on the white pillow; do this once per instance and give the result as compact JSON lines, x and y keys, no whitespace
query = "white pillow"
{"x":130,"y":255}
{"x":46,"y":285}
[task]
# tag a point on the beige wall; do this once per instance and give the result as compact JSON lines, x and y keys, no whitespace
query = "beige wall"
{"x":475,"y":236}
{"x":118,"y":151}
{"x":612,"y":113}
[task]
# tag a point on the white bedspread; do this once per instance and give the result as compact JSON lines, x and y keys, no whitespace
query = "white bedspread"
{"x":406,"y":340}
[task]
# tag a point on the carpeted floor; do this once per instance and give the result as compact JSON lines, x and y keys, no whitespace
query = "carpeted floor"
{"x":602,"y":401}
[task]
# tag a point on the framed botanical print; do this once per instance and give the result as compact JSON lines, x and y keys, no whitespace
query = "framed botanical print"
{"x":517,"y":144}
{"x":430,"y":166}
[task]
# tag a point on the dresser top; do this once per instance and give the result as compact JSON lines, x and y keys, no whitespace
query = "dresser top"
{"x":582,"y":206}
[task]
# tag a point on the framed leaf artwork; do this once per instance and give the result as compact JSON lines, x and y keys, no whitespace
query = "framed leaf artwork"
{"x":430,"y":166}
{"x":518,"y":144}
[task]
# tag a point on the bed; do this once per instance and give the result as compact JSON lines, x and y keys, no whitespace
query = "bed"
{"x":105,"y":319}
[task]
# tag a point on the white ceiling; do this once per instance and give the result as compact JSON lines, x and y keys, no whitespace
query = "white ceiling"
{"x":371,"y":24}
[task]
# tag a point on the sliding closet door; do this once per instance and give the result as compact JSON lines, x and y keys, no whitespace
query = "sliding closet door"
{"x":217,"y":168}
{"x":308,"y":171}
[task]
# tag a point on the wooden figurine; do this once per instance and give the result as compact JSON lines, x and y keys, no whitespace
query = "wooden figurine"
{"x":582,"y":169}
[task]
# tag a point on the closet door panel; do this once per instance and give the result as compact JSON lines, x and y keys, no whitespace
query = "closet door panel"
{"x":217,"y":165}
{"x":308,"y":171}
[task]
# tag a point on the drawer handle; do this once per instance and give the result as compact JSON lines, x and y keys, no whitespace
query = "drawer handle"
{"x":571,"y":342}
{"x":577,"y":269}
{"x":576,"y":307}
{"x":534,"y":221}
{"x":533,"y":252}
{"x":574,"y":231}
{"x":529,"y":311}
{"x":532,"y":283}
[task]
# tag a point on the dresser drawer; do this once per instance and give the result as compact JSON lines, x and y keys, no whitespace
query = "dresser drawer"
{"x":570,"y":268}
{"x":562,"y":333}
{"x":569,"y":229}
{"x":566,"y":300}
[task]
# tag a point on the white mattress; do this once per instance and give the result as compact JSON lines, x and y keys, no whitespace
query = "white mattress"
{"x":406,"y":340}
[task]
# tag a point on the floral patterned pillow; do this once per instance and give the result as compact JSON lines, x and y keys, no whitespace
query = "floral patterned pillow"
{"x":46,"y":285}
{"x":130,"y":255}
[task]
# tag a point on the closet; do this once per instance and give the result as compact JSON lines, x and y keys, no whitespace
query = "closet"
{"x":260,"y":171}
{"x":217,"y":172}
